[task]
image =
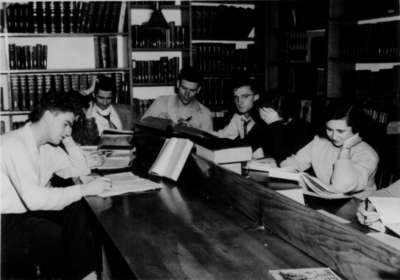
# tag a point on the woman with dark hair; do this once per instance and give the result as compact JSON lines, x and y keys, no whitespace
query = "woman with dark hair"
{"x":340,"y":158}
{"x":281,"y":114}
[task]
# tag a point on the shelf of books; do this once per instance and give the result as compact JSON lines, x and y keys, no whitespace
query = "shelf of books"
{"x":160,"y":46}
{"x":364,"y":58}
{"x":59,"y":45}
{"x":224,"y":43}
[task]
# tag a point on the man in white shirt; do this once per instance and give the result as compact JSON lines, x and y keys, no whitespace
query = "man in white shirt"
{"x":43,"y":226}
{"x":245,"y":125}
{"x":101,"y":109}
{"x":183,"y":108}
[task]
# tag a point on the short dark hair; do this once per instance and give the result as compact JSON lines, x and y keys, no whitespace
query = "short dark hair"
{"x":105,"y":83}
{"x":191,"y":74}
{"x":239,"y":81}
{"x":349,"y":111}
{"x":286,"y":106}
{"x":54,"y":102}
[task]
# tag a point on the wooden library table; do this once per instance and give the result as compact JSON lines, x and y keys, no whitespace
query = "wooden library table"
{"x":207,"y":226}
{"x":176,"y":233}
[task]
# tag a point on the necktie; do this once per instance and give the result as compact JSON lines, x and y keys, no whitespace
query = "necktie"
{"x":245,"y":126}
{"x":108,"y":118}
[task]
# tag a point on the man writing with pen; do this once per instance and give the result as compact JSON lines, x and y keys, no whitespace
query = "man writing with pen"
{"x":183,"y":108}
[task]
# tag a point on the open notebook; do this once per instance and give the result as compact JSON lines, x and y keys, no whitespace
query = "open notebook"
{"x":125,"y":182}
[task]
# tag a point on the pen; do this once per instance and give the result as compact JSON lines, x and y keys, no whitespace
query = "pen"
{"x":188,"y":119}
{"x":366,"y":204}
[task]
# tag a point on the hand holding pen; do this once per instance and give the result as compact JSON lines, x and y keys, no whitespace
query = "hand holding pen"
{"x":186,"y":121}
{"x":366,"y":213}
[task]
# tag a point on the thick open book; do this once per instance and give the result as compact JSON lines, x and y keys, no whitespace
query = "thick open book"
{"x":318,"y":273}
{"x":388,"y":209}
{"x":125,"y":182}
{"x":167,"y":126}
{"x":315,"y":187}
{"x":171,"y":158}
{"x":116,"y":139}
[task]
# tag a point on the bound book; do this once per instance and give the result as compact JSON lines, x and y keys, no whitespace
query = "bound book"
{"x":224,"y":154}
{"x":116,"y":139}
{"x":114,"y":158}
{"x":318,"y":273}
{"x":315,"y":187}
{"x":171,"y":158}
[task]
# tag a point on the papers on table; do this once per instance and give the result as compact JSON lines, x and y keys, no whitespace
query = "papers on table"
{"x":124,"y":183}
{"x":388,"y":209}
{"x":319,"y":273}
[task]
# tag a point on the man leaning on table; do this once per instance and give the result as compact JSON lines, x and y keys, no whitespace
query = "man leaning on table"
{"x":45,"y":228}
{"x":183,"y":108}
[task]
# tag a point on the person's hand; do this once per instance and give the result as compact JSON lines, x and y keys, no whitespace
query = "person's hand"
{"x":367,"y":216}
{"x":68,"y":142}
{"x":95,"y":159}
{"x":185,"y":122}
{"x":269,"y":115}
{"x":352,"y":141}
{"x":96,"y":187}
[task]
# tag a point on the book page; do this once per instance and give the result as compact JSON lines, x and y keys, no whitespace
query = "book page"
{"x":160,"y":164}
{"x":124,"y":183}
{"x":269,"y":165}
{"x":320,"y":273}
{"x":314,"y":187}
{"x":388,"y":208}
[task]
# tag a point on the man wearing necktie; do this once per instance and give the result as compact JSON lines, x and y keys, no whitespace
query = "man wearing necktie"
{"x":101,"y":109}
{"x":245,"y":125}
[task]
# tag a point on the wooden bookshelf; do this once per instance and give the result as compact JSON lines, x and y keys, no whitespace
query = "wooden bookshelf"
{"x":69,"y":56}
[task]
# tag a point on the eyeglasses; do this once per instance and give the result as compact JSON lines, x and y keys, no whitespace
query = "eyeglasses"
{"x":242,"y":97}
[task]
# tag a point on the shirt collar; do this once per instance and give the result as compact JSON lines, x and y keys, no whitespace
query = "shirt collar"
{"x":30,"y":139}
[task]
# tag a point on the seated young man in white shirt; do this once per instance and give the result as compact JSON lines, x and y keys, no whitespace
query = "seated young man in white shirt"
{"x":246,"y":125}
{"x":43,"y":226}
{"x":101,"y":109}
{"x":183,"y":108}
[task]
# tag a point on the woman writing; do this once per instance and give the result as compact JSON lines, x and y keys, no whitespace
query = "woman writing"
{"x":339,"y":158}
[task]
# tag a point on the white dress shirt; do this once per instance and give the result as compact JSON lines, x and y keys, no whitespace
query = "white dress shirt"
{"x":101,"y":121}
{"x":25,"y":172}
{"x":235,"y":128}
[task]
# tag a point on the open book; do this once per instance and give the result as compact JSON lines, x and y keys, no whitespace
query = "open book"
{"x":315,"y":187}
{"x":165,"y":125}
{"x":388,"y":209}
{"x":171,"y":158}
{"x":268,"y":165}
{"x":116,"y":139}
{"x":125,"y":182}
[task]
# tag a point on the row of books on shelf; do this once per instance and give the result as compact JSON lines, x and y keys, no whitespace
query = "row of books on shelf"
{"x":27,"y":57}
{"x":377,"y":115}
{"x":14,"y":125}
{"x":163,"y":70}
{"x":222,"y":22}
{"x":216,"y":92}
{"x":171,"y":37}
{"x":381,"y":84}
{"x":27,"y":90}
{"x":105,"y":51}
{"x":225,"y":58}
{"x":371,"y":8}
{"x":294,"y":45}
{"x":371,"y":41}
{"x":66,"y":16}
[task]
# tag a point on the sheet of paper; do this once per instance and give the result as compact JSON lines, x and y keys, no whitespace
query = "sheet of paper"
{"x":125,"y":182}
{"x":388,"y":208}
{"x":320,"y":273}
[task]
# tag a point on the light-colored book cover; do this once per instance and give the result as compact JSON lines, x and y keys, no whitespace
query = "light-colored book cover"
{"x":171,"y":158}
